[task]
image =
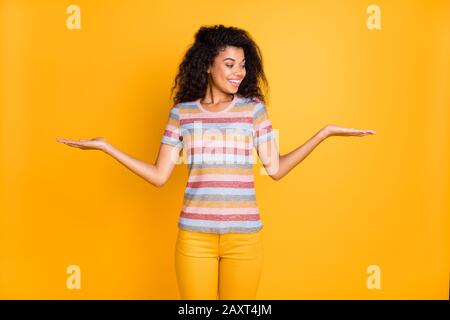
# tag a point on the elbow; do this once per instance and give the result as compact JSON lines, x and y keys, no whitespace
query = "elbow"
{"x":159,"y":183}
{"x":276,"y":176}
{"x":275,"y":171}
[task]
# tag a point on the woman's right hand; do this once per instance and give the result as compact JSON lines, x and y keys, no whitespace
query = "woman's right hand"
{"x":98,"y":143}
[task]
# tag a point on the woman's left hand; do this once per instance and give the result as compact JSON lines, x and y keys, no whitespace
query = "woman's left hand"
{"x":334,"y":130}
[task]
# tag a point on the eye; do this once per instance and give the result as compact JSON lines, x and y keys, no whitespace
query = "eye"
{"x":231,"y":66}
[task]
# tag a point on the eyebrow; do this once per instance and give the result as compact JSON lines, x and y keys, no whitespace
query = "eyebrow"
{"x":232,"y":59}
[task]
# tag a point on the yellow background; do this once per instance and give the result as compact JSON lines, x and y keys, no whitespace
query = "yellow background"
{"x":353,"y":202}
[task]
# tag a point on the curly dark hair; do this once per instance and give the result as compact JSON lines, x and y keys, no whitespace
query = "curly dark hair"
{"x":192,"y":78}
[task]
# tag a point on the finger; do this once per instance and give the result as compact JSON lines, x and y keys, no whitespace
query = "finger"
{"x":74,"y":141}
{"x":77,"y":142}
{"x":355,"y":132}
{"x":67,"y":141}
{"x":72,"y":144}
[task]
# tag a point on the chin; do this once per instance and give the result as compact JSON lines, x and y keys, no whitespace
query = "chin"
{"x":228,"y":91}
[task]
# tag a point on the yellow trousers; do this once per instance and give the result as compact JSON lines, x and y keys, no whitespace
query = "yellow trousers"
{"x":218,"y":266}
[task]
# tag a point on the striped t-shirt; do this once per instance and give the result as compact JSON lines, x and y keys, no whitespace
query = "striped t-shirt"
{"x":217,"y":147}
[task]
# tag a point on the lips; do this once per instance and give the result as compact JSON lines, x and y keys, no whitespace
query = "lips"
{"x":235,"y":83}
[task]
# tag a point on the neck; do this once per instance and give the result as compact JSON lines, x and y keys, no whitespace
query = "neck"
{"x":215,"y":96}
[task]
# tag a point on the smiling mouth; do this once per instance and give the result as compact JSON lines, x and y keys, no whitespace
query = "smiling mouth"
{"x":235,"y":83}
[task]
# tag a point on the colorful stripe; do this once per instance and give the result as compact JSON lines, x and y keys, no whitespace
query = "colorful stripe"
{"x":220,"y":193}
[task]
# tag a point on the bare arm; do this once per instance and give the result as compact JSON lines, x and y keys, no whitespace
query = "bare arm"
{"x":157,"y":174}
{"x":277,"y":166}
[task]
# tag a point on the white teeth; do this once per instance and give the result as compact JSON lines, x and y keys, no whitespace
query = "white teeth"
{"x":235,"y":81}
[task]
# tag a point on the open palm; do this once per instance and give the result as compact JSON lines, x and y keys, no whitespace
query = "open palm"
{"x":97,"y":143}
{"x":334,"y":130}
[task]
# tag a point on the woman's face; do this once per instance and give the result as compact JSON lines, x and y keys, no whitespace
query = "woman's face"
{"x":228,"y":69}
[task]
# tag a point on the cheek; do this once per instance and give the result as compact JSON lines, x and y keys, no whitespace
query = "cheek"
{"x":227,"y":73}
{"x":222,"y":74}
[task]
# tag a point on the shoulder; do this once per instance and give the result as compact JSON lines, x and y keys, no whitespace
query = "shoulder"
{"x":177,"y":109}
{"x":256,"y":100}
{"x":174,"y":112}
{"x":259,"y":107}
{"x":249,"y":100}
{"x":255,"y":103}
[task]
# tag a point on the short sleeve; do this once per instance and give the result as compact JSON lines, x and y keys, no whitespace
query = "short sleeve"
{"x":171,"y":134}
{"x":262,"y":127}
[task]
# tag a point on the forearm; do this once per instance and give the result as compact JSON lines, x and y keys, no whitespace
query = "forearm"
{"x":288,"y":161}
{"x":145,"y":170}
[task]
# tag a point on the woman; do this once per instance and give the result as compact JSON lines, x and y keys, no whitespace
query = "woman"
{"x":218,"y":116}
